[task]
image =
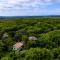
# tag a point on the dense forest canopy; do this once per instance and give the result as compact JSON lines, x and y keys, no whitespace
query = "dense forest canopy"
{"x":46,"y":30}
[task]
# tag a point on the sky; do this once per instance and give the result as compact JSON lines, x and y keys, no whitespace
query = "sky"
{"x":29,"y":7}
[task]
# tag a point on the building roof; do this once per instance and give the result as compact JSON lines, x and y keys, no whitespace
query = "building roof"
{"x":32,"y":38}
{"x":5,"y":35}
{"x":17,"y":45}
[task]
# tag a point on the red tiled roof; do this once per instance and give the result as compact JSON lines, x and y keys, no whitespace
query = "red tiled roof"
{"x":18,"y":45}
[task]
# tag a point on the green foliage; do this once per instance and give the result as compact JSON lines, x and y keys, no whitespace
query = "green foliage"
{"x":50,"y":39}
{"x":34,"y":54}
{"x":38,"y":54}
{"x":56,"y":52}
{"x":47,"y":31}
{"x":1,"y":48}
